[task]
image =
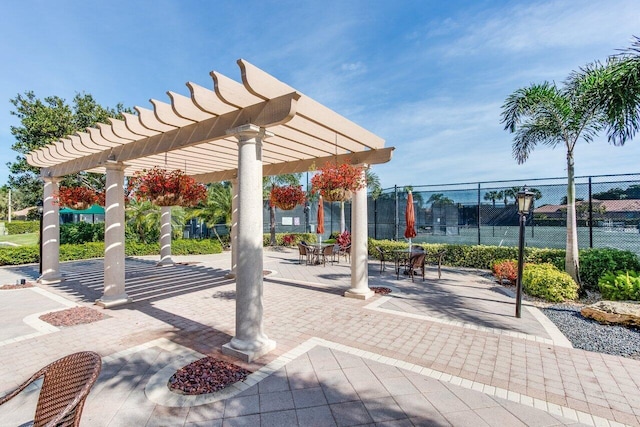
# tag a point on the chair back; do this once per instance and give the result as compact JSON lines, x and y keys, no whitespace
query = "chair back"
{"x":327,"y":250}
{"x":66,"y":385}
{"x":302,"y":248}
{"x":417,"y":259}
{"x":381,"y":252}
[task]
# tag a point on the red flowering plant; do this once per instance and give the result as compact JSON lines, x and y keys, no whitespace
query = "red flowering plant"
{"x":336,"y":182}
{"x":344,"y":239}
{"x":166,"y":188}
{"x":77,"y":198}
{"x":287,"y":197}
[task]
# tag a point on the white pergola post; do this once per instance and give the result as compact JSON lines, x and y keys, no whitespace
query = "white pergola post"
{"x":359,"y":254}
{"x":234,"y":228}
{"x":114,"y":290}
{"x":250,"y":341}
{"x":165,"y":236}
{"x":50,"y":233}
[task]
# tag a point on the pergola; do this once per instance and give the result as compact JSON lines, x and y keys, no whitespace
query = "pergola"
{"x":238,"y":132}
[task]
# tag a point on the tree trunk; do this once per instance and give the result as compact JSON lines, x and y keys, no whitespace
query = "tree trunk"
{"x":342,"y":221}
{"x":571,"y":260}
{"x":272,"y":225}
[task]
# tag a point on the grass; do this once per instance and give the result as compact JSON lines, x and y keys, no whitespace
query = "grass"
{"x":21,"y":239}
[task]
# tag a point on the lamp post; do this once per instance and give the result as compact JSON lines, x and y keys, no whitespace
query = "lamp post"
{"x":39,"y":205}
{"x":524,"y":199}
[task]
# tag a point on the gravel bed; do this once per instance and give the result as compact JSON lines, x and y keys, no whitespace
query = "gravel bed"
{"x":587,"y":334}
{"x":206,"y":375}
{"x":72,"y":316}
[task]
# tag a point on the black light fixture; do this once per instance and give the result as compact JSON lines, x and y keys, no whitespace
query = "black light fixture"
{"x":40,"y":207}
{"x":524,"y":198}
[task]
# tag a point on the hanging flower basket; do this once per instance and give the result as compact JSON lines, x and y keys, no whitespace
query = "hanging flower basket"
{"x":287,"y":197}
{"x":77,"y":198}
{"x":166,"y":188}
{"x":337,"y":183}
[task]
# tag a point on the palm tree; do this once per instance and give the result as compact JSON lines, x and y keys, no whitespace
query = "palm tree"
{"x":493,"y":196}
{"x":141,"y":220}
{"x":268,"y":182}
{"x":217,"y":209}
{"x":373,"y":184}
{"x":599,"y":96}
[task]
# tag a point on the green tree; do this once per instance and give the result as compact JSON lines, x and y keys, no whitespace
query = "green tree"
{"x":439,"y":199}
{"x":493,"y":196}
{"x":268,"y":182}
{"x":373,"y":184}
{"x":612,"y":194}
{"x":43,"y":121}
{"x":599,"y":96}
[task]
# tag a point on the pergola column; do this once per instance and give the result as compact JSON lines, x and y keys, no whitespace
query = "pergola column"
{"x":50,"y":233}
{"x":234,"y":228}
{"x":359,"y":257}
{"x":250,"y":341}
{"x":114,"y":290}
{"x":165,"y":236}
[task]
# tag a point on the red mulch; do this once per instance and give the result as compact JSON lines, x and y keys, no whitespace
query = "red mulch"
{"x":26,"y":285}
{"x":206,"y":375}
{"x":72,"y":316}
{"x":380,"y":290}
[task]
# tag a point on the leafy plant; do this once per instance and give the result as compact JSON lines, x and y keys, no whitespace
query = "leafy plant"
{"x":547,"y":282}
{"x":166,"y":188}
{"x":287,"y":197}
{"x":594,"y":263}
{"x":344,"y":239}
{"x":78,"y":197}
{"x":620,"y":286}
{"x":21,"y":227}
{"x":334,"y":178}
{"x":505,"y":269}
{"x":81,"y":232}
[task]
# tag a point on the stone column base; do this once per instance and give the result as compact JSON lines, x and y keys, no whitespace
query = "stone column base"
{"x":110,"y":302}
{"x":230,"y":275}
{"x":248,"y":355}
{"x":165,"y":262}
{"x":359,"y":295}
{"x":48,"y":279}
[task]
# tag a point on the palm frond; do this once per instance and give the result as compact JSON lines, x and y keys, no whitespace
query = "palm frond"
{"x":525,"y":102}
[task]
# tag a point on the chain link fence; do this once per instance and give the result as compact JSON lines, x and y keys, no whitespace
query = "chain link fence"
{"x":608,"y":212}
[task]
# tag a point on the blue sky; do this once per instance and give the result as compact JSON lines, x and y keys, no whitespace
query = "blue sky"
{"x":428,"y":76}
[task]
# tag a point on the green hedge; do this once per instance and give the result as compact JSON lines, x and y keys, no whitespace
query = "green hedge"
{"x":595,"y":263}
{"x":295,"y":238}
{"x":546,"y":281}
{"x":21,"y":227}
{"x":30,"y":254}
{"x":81,"y":232}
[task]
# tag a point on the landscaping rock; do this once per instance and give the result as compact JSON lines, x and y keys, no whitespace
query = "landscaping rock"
{"x":614,"y":312}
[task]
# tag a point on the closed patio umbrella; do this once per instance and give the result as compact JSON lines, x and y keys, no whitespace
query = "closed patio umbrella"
{"x":410,"y":217}
{"x":320,"y":228}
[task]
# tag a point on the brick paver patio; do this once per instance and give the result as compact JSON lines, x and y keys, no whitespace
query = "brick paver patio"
{"x":439,"y":352}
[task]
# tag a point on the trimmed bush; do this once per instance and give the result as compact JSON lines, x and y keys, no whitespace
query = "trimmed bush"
{"x":21,"y":227}
{"x":620,"y":286}
{"x":81,"y":232}
{"x":292,"y":238}
{"x":547,"y":282}
{"x":594,"y":263}
{"x":19,"y":255}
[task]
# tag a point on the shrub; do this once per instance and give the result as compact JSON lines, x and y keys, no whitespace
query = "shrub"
{"x":21,"y":227}
{"x":547,"y":282}
{"x":294,"y":238}
{"x":594,"y":263}
{"x":620,"y":286}
{"x":19,"y":255}
{"x":505,"y":269}
{"x":81,"y":232}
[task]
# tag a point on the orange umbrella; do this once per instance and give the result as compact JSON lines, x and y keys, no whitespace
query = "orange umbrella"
{"x":320,"y":229}
{"x":410,"y":217}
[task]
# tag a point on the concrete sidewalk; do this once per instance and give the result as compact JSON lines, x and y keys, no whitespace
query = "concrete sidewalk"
{"x":439,"y":352}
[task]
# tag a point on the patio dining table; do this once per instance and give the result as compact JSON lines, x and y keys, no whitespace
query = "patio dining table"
{"x":316,"y":250}
{"x":400,"y":258}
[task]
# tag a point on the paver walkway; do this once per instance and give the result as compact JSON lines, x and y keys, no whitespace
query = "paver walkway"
{"x":432,"y":355}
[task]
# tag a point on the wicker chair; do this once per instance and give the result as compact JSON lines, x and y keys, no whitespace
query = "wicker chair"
{"x":383,"y":258}
{"x":66,"y":384}
{"x":345,"y":252}
{"x":414,"y":262}
{"x":329,"y":252}
{"x":304,"y":253}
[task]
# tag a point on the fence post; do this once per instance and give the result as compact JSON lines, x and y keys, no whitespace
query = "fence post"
{"x":590,"y":216}
{"x":375,"y":219}
{"x":396,"y":224}
{"x":479,"y":219}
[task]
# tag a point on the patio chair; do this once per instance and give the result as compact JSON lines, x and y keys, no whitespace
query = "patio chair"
{"x":383,"y":258}
{"x":345,"y":252}
{"x":304,"y":253}
{"x":66,"y":384}
{"x":328,"y":252}
{"x":414,"y":262}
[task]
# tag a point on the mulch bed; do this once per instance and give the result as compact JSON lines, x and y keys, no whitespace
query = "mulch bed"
{"x":206,"y":375}
{"x":380,"y":290}
{"x":26,"y":285}
{"x":72,"y":316}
